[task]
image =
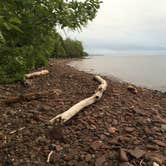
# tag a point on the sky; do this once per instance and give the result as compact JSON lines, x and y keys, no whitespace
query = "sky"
{"x":126,"y":25}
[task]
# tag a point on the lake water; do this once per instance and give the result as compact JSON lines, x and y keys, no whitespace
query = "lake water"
{"x":146,"y":71}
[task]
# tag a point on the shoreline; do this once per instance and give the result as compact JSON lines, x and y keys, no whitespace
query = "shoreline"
{"x":88,"y":138}
{"x":114,"y":78}
{"x":126,"y":70}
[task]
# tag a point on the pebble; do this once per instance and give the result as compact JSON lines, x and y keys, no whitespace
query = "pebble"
{"x":129,"y":129}
{"x":96,"y":145}
{"x":112,"y":130}
{"x":114,"y":122}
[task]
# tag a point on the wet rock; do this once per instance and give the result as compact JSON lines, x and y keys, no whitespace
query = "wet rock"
{"x":122,"y":155}
{"x":137,"y":153}
{"x":100,"y":161}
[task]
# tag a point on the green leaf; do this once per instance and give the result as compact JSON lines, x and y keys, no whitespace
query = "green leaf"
{"x":15,"y":20}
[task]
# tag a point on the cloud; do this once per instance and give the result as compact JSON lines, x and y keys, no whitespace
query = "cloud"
{"x":128,"y":25}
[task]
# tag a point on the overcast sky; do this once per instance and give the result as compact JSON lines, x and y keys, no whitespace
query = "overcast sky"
{"x":123,"y":25}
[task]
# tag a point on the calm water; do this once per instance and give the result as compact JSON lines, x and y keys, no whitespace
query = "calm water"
{"x":147,"y":71}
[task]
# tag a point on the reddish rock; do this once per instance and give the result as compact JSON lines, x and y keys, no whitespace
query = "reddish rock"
{"x":160,"y":143}
{"x":114,"y":122}
{"x":96,"y":145}
{"x":129,"y":129}
{"x":137,"y":153}
{"x":112,"y":130}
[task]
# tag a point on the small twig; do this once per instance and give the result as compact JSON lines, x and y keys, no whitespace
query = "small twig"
{"x":141,"y":162}
{"x":21,"y":128}
{"x":14,"y":131}
{"x":49,"y":156}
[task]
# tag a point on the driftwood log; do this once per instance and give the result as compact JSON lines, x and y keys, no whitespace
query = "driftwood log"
{"x":37,"y":73}
{"x":31,"y":96}
{"x":65,"y":116}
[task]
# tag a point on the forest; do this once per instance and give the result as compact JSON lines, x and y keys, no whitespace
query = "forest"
{"x":29,"y":36}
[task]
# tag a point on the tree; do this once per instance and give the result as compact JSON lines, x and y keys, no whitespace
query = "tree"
{"x":28,"y":31}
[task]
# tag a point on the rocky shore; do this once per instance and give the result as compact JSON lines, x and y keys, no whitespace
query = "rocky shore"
{"x":122,"y":129}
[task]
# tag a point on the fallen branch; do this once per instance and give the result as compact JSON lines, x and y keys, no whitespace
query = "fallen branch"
{"x":49,"y":156}
{"x":37,"y":73}
{"x":31,"y":96}
{"x":65,"y":116}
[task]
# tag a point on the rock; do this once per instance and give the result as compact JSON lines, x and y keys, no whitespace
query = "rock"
{"x":88,"y":157}
{"x":151,"y":147}
{"x":123,"y":138}
{"x":163,"y":127}
{"x":155,"y":164}
{"x":155,"y":157}
{"x":41,"y":140}
{"x":44,"y":108}
{"x":96,"y":145}
{"x":57,"y":133}
{"x":112,"y":130}
{"x":123,"y":156}
{"x":140,"y":111}
{"x":129,"y":129}
{"x":132,"y":89}
{"x":114,"y":122}
{"x":52,"y":147}
{"x":159,"y":143}
{"x":59,"y":148}
{"x":100,"y":161}
{"x":137,"y":153}
{"x":124,"y":164}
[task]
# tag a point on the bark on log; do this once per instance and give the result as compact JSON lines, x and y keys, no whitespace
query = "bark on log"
{"x":65,"y":116}
{"x":31,"y":96}
{"x":37,"y":73}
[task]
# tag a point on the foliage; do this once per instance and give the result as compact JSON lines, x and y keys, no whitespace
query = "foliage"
{"x":28,"y":31}
{"x":70,"y":48}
